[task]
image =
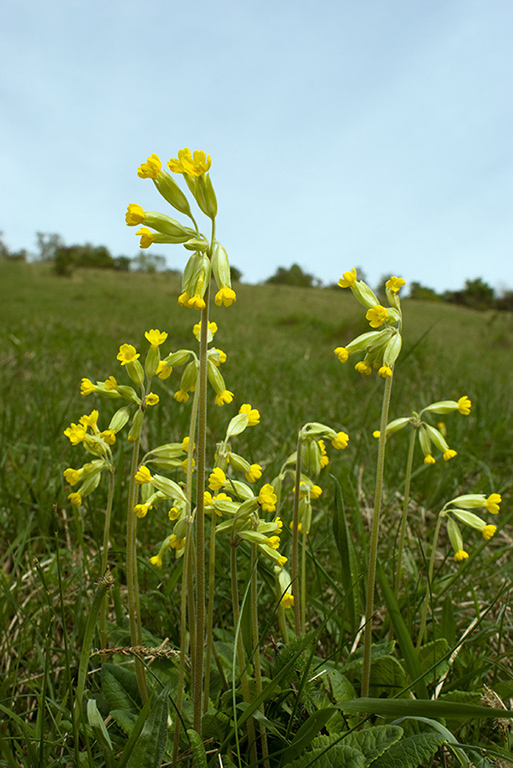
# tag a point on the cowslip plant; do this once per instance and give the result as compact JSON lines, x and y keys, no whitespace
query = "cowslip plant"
{"x":382,"y":348}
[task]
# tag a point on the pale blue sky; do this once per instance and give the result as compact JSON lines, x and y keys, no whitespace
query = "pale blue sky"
{"x":373,"y":133}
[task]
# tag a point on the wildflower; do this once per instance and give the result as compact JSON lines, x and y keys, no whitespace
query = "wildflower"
{"x":195,"y":164}
{"x":72,"y":476}
{"x":363,"y":367}
{"x":488,"y":531}
{"x":376,"y":315}
{"x":324,"y":456}
{"x":464,"y":405}
{"x":111,"y":384}
{"x":287,"y":601}
{"x":212,"y":327}
{"x":252,"y":414}
{"x":223,"y":397}
{"x":127,"y":354}
{"x":108,"y":436}
{"x":348,"y":279}
{"x":267,"y":498}
{"x":75,"y":498}
{"x":395,"y":283}
{"x":185,"y":465}
{"x":185,"y":444}
{"x":429,"y":459}
{"x":76,"y":433}
{"x":152,"y":399}
{"x":225,"y":296}
{"x":164,"y":370}
{"x":155,"y":337}
{"x":134,"y":215}
{"x":492,"y":503}
{"x":279,"y":523}
{"x":147,"y":237}
{"x":342,"y":353}
{"x":460,"y":555}
{"x":340,"y":441}
{"x":87,"y":387}
{"x":156,"y":560}
{"x":181,"y":396}
{"x":143,"y":475}
{"x":196,"y":302}
{"x":385,"y":372}
{"x":282,"y":560}
{"x":315,"y":491}
{"x":150,"y":169}
{"x":173,"y":513}
{"x":273,"y":542}
{"x":141,"y":510}
{"x":449,"y":454}
{"x":175,"y":542}
{"x":217,"y":479}
{"x":255,"y":473}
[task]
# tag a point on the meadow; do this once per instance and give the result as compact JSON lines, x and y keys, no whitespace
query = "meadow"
{"x":280,"y":345}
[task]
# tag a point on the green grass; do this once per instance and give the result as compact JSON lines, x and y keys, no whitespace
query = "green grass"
{"x":280,"y":343}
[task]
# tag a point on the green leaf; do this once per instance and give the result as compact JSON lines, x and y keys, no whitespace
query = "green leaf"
{"x":307,"y":732}
{"x":423,"y":708}
{"x":348,"y":559}
{"x":374,"y":742}
{"x":151,"y":743}
{"x":431,"y":657}
{"x":119,"y":686}
{"x":199,"y":757}
{"x":411,"y":752}
{"x":387,"y":675}
{"x":403,"y":635}
{"x":338,"y":756}
{"x":124,"y":720}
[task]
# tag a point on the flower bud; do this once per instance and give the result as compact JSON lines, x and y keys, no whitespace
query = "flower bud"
{"x":135,"y":429}
{"x":171,"y":192}
{"x":120,"y":418}
{"x":221,"y":267}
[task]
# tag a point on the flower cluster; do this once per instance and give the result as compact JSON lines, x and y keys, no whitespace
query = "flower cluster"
{"x":96,"y":442}
{"x":381,"y":347}
{"x":457,"y":510}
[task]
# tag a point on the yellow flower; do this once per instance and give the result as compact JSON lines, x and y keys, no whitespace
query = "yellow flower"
{"x":376,"y":315}
{"x":185,"y":443}
{"x":175,"y":542}
{"x":75,"y":498}
{"x":108,"y":436}
{"x":134,"y":215}
{"x":281,"y":561}
{"x":385,"y":372}
{"x":212,"y":327}
{"x":181,"y":396}
{"x":342,"y":353}
{"x":267,"y":498}
{"x":340,"y":441}
{"x":111,"y":383}
{"x":196,"y":164}
{"x":146,"y":236}
{"x":449,"y":454}
{"x":363,"y":367}
{"x":127,"y":354}
{"x":87,"y":387}
{"x":164,"y":370}
{"x":217,"y":479}
{"x":173,"y":513}
{"x":273,"y":542}
{"x":76,"y":433}
{"x":141,"y":510}
{"x":254,"y":473}
{"x":90,"y":421}
{"x":72,"y":476}
{"x":142,"y":476}
{"x":225,"y":296}
{"x":287,"y":601}
{"x":152,"y":399}
{"x":464,"y":405}
{"x":279,"y":523}
{"x":395,"y":283}
{"x":376,"y":433}
{"x":492,"y":503}
{"x":156,"y":560}
{"x":429,"y":459}
{"x":252,"y":414}
{"x":315,"y":491}
{"x":150,"y":169}
{"x":196,"y":302}
{"x":488,"y":531}
{"x":224,"y":397}
{"x":348,"y":279}
{"x":460,"y":555}
{"x":155,"y":337}
{"x":185,"y":465}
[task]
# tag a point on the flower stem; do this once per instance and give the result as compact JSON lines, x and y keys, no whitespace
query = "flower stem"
{"x":295,"y":544}
{"x":423,"y":616}
{"x":402,"y":531}
{"x":256,"y":649}
{"x":373,"y":553}
{"x":303,"y":579}
{"x":105,"y":558}
{"x":131,"y":573}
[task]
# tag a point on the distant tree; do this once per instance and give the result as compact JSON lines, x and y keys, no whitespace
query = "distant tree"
{"x":67,"y":258}
{"x":4,"y":250}
{"x":148,"y":262}
{"x":235,"y":274}
{"x":505,"y":301}
{"x":294,"y":275}
{"x":64,"y":261}
{"x":476,"y":294}
{"x":47,"y":244}
{"x":423,"y":293}
{"x":122,"y":263}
